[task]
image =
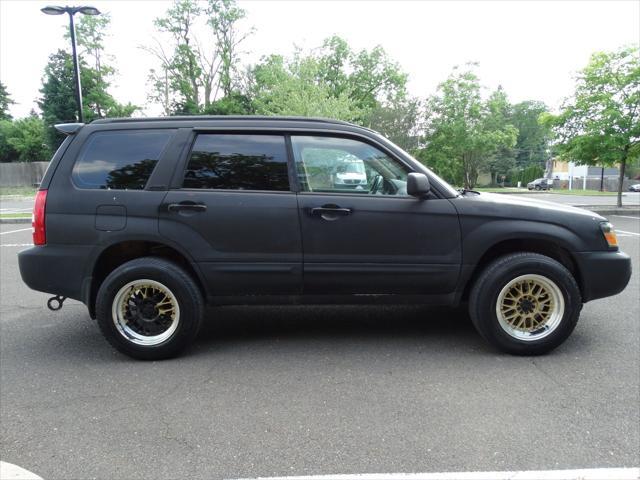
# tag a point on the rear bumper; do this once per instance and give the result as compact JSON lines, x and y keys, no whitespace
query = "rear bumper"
{"x":603,"y":273}
{"x":58,"y":270}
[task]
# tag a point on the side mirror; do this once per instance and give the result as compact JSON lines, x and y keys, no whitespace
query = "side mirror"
{"x":418,"y":185}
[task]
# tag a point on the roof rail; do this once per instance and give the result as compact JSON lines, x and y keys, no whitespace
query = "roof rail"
{"x":69,"y":128}
{"x":223,"y":117}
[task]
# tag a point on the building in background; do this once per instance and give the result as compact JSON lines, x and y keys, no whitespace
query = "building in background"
{"x":570,"y":175}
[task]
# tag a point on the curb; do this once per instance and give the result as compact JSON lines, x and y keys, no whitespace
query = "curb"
{"x":15,"y":220}
{"x":604,"y":210}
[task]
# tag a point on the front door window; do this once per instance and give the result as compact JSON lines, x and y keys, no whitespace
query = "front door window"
{"x":344,"y":165}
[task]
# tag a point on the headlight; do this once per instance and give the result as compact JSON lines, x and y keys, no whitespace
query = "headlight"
{"x":609,"y":234}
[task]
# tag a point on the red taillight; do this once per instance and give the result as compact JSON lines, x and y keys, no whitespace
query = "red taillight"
{"x":37,"y":220}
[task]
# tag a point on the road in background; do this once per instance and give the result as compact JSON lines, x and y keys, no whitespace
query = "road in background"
{"x":314,"y":390}
{"x":16,"y":205}
{"x":19,"y":205}
{"x":629,"y":199}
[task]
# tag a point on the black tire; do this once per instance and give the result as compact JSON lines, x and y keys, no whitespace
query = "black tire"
{"x":180,"y":284}
{"x":538,"y":187}
{"x":486,"y":290}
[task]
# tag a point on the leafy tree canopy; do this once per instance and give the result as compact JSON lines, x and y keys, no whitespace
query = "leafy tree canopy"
{"x":5,"y":101}
{"x":464,"y":131}
{"x":600,"y":124}
{"x":291,"y":87}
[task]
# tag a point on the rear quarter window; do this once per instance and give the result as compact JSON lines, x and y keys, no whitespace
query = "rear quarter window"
{"x":119,"y":160}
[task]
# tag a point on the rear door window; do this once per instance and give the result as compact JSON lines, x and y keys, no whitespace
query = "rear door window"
{"x":238,"y":162}
{"x":120,"y":160}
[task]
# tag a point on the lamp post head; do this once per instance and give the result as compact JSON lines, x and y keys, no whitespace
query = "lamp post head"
{"x":53,"y":10}
{"x":57,"y":10}
{"x":86,"y":10}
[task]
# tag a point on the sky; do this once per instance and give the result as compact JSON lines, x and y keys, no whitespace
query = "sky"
{"x":532,"y":48}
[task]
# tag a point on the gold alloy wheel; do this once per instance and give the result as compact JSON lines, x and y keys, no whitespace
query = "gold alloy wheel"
{"x":530,"y":307}
{"x":145,"y":312}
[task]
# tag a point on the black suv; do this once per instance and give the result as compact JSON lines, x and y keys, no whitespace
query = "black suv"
{"x":147,"y":221}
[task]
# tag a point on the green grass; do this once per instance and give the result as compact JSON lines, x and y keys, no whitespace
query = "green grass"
{"x":14,"y":215}
{"x":18,"y":191}
{"x":585,"y":193}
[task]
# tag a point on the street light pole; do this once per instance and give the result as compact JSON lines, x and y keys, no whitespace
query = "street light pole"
{"x":76,"y":67}
{"x":71,"y":11}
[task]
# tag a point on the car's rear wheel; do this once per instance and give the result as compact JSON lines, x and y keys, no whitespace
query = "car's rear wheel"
{"x":525,"y":303}
{"x":149,"y":308}
{"x":538,"y":187}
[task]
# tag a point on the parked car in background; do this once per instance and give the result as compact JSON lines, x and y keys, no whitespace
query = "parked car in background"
{"x":350,"y":174}
{"x":540,"y":184}
{"x":147,"y":221}
{"x":634,"y":188}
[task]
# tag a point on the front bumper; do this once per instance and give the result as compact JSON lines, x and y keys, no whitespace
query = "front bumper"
{"x":603,"y":274}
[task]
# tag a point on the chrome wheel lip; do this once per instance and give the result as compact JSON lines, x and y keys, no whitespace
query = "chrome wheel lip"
{"x":117,"y":314}
{"x":555,"y":314}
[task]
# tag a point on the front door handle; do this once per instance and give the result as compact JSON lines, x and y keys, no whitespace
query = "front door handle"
{"x":184,"y":206}
{"x":330,"y":212}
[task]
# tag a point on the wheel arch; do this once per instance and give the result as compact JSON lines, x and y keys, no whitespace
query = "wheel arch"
{"x":116,"y":254}
{"x":541,"y":246}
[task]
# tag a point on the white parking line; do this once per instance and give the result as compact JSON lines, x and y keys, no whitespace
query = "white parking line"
{"x":626,"y":216}
{"x":15,"y":231}
{"x":581,"y":474}
{"x":628,"y":233}
{"x":16,"y":245}
{"x":9,"y":471}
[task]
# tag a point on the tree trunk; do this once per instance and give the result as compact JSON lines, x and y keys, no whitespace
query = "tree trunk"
{"x":465,"y":169}
{"x":623,"y":165}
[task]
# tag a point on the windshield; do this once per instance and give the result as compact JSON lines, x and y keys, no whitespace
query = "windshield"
{"x":352,"y":167}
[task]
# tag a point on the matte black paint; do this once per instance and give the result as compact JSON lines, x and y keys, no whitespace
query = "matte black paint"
{"x":273,"y":247}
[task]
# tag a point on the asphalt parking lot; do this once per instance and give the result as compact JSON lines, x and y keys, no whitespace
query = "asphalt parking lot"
{"x":309,"y":390}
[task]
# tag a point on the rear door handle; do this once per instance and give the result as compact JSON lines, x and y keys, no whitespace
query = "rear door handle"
{"x":184,"y":206}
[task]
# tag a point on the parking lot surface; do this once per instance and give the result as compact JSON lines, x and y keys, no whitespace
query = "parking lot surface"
{"x":314,"y":390}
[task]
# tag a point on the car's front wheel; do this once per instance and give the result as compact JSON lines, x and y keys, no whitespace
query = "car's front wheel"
{"x":149,"y":308}
{"x":525,"y":303}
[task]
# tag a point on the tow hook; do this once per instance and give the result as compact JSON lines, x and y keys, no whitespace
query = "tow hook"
{"x":55,"y":303}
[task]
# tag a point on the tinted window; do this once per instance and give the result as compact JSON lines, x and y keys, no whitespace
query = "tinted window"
{"x":238,"y":162}
{"x":120,"y":159}
{"x":333,"y":164}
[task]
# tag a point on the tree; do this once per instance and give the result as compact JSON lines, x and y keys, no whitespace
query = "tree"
{"x":192,"y":70}
{"x":365,"y":87}
{"x":7,"y":152}
{"x":532,"y":144}
{"x":5,"y":101}
{"x":399,"y":121}
{"x":28,"y":139}
{"x":90,"y":34}
{"x":464,"y":131}
{"x":370,"y":78}
{"x":600,"y":123}
{"x":58,"y":101}
{"x":499,"y":117}
{"x":224,"y":16}
{"x":292,"y":88}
